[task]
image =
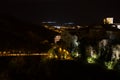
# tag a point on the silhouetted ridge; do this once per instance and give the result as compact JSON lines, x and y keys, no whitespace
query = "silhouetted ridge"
{"x":16,"y":33}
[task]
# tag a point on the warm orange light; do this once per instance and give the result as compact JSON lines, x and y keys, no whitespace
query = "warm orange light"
{"x":108,"y":20}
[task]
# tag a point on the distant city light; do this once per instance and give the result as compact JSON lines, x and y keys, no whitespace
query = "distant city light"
{"x":113,"y":26}
{"x":57,"y":27}
{"x":78,"y":26}
{"x":118,"y":26}
{"x":49,"y":22}
{"x":44,"y":22}
{"x":69,"y":23}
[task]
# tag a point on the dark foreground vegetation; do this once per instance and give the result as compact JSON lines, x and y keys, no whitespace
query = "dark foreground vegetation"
{"x":35,"y":68}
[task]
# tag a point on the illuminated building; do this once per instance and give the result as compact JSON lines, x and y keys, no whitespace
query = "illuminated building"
{"x":108,"y":20}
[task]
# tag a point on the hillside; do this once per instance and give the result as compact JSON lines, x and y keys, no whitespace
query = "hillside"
{"x":19,"y":34}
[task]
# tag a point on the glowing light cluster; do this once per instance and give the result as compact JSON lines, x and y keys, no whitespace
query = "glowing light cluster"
{"x":90,"y":60}
{"x":94,"y":56}
{"x":63,"y":54}
{"x":109,"y":65}
{"x":75,"y":54}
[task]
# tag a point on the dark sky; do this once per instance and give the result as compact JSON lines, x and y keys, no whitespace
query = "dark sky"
{"x":82,"y":11}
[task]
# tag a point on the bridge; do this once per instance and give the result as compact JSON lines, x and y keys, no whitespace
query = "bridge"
{"x":24,"y":54}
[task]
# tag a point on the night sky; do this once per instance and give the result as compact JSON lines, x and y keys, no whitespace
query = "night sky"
{"x":78,"y":11}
